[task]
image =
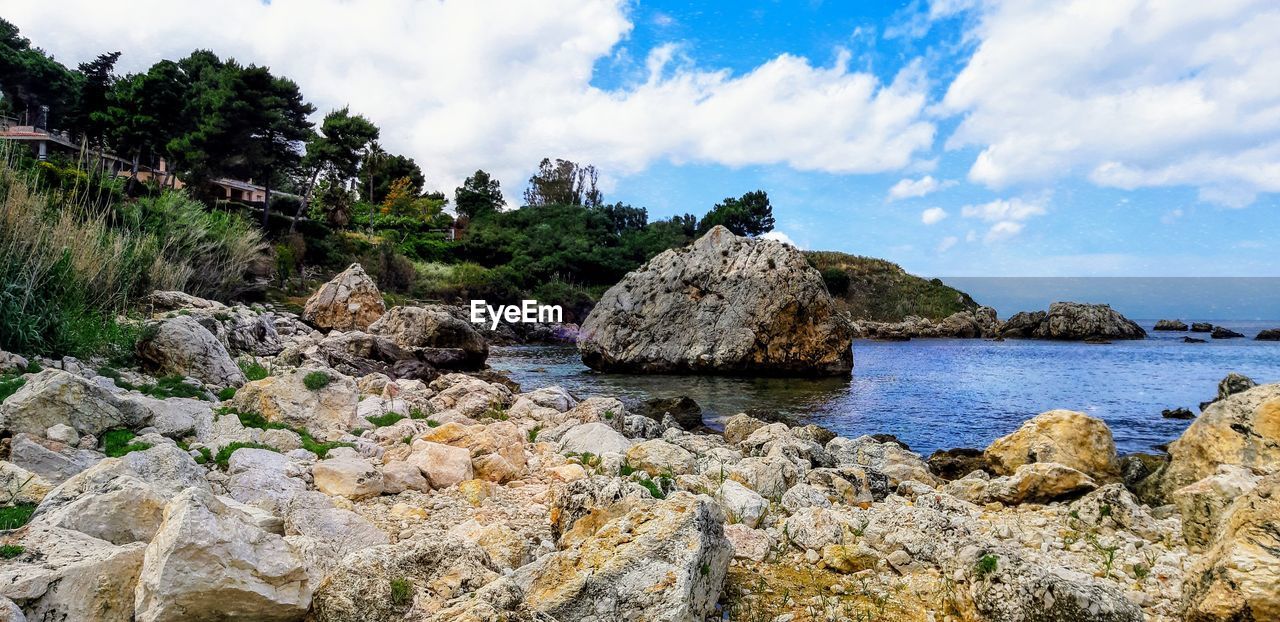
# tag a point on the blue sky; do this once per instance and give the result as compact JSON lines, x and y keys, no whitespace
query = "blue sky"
{"x":955,"y":137}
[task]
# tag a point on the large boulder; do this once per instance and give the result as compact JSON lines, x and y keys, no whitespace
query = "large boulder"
{"x":54,"y":397}
{"x":350,"y":300}
{"x":1203,"y":503}
{"x":660,"y":561}
{"x":1243,"y":429}
{"x":726,"y":304}
{"x":327,"y":412}
{"x":440,"y":337}
{"x":1066,"y":437}
{"x":1073,"y":321}
{"x":67,"y":575}
{"x":181,"y":345}
{"x":1237,"y":578}
{"x":597,"y":438}
{"x":212,"y":562}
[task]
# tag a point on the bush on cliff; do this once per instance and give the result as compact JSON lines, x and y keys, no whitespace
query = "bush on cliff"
{"x":879,"y":290}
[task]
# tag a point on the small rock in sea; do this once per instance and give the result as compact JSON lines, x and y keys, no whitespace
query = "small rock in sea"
{"x":1220,"y":332}
{"x":1177,"y":413}
{"x":1192,"y":340}
{"x":1271,"y":334}
{"x":1202,"y":327}
{"x":1171,"y":325}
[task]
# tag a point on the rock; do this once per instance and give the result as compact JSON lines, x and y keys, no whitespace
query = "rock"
{"x":352,"y":478}
{"x":597,"y":438}
{"x":181,"y":345}
{"x":63,"y":433}
{"x":1243,"y":429}
{"x":1072,"y":321}
{"x":1039,"y":482}
{"x":683,"y":409}
{"x":496,"y":449}
{"x":1203,"y":503}
{"x":9,"y":612}
{"x":54,"y":397}
{"x":967,"y":324}
{"x":1166,"y":325}
{"x":264,"y":478}
{"x":770,"y":476}
{"x":738,"y":427}
{"x":658,"y":457}
{"x":1236,"y":578}
{"x":1221,"y":332}
{"x":323,"y":534}
{"x":888,"y":458}
{"x":1114,"y":506}
{"x":468,"y":396}
{"x":398,"y":477}
{"x":1023,"y":591}
{"x":748,"y":543}
{"x":350,"y":300}
{"x":741,"y":504}
{"x":11,"y":363}
{"x":506,"y":548}
{"x":67,"y":575}
{"x":50,"y":460}
{"x":1068,"y":438}
{"x":1201,"y":327}
{"x":358,"y":354}
{"x":581,"y":498}
{"x":849,"y":559}
{"x":20,"y":486}
{"x":328,"y":413}
{"x":814,"y":528}
{"x":212,"y":562}
{"x":407,"y":580}
{"x":1271,"y":334}
{"x":442,"y":465}
{"x":445,"y":341}
{"x":1177,"y":413}
{"x":950,"y":464}
{"x":161,"y":301}
{"x":1234,"y":383}
{"x":1192,"y":340}
{"x":628,"y":569}
{"x":725,"y":304}
{"x":803,"y":496}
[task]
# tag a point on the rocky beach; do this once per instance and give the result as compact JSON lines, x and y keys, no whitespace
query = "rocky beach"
{"x":359,"y":462}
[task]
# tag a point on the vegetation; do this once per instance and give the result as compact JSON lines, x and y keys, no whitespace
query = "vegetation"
{"x":385,"y":419}
{"x":986,"y":565}
{"x":316,"y":380}
{"x":9,"y":384}
{"x":879,"y":290}
{"x":253,"y":370}
{"x":224,"y":454}
{"x":309,"y":442}
{"x":116,"y":443}
{"x":15,"y":516}
{"x":401,"y":591}
{"x":10,"y":551}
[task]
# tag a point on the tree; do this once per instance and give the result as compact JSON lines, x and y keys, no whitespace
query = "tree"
{"x":623,"y":218}
{"x":144,"y":112}
{"x":478,"y":194}
{"x":89,"y":116}
{"x":563,"y":183}
{"x":277,"y":130}
{"x":335,"y":150}
{"x":378,"y":170}
{"x":30,"y":79}
{"x":749,"y":215}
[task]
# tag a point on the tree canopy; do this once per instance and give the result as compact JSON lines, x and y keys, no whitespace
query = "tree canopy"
{"x":479,"y":194}
{"x":749,"y":215}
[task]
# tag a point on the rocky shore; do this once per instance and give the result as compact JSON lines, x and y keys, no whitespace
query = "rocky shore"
{"x":338,"y":475}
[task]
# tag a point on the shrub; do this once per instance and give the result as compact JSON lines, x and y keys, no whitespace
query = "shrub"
{"x":986,"y":565}
{"x":224,"y":454}
{"x":653,"y":488}
{"x":205,"y":457}
{"x":253,"y":370}
{"x":226,"y":394}
{"x":316,"y":380}
{"x":385,"y":419}
{"x":837,"y":281}
{"x":116,"y":443}
{"x":401,"y":592}
{"x":15,"y":516}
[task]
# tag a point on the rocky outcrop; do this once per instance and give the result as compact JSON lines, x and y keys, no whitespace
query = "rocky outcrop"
{"x":54,"y":397}
{"x":327,"y":412}
{"x":960,"y":325}
{"x":1072,"y":321}
{"x":725,"y":304}
{"x":357,"y":354}
{"x":1069,"y":438}
{"x":1243,"y":429}
{"x":182,"y":346}
{"x":66,"y":575}
{"x":686,"y":412}
{"x":1236,"y":579}
{"x":349,"y":301}
{"x":1270,"y":334}
{"x":630,"y":567}
{"x":1171,"y":325}
{"x":435,"y":335}
{"x":1222,"y":332}
{"x":1201,"y":327}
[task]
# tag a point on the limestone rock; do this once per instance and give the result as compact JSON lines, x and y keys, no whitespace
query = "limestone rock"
{"x":658,"y":457}
{"x":1203,"y":503}
{"x":352,"y":478}
{"x":748,"y":543}
{"x":67,"y":575}
{"x":1243,"y":429}
{"x":1270,"y":334}
{"x":597,"y":438}
{"x":211,"y":562}
{"x":631,"y":567}
{"x":576,"y":500}
{"x":447,"y":341}
{"x":1236,"y":578}
{"x":327,"y":413}
{"x":891,"y":459}
{"x":683,"y":409}
{"x":1068,"y":438}
{"x":50,"y":460}
{"x":350,"y":300}
{"x":54,"y":397}
{"x":1073,"y":321}
{"x":1171,"y":325}
{"x":740,"y":426}
{"x":441,"y":465}
{"x":20,"y":485}
{"x":1039,"y":482}
{"x":181,"y":345}
{"x":725,"y":304}
{"x":741,"y":504}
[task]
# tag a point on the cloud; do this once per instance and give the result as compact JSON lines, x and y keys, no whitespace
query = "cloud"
{"x":933,"y":215}
{"x":779,"y":237}
{"x":461,"y":85}
{"x":914,"y":188}
{"x":946,"y":243}
{"x":1005,"y":215}
{"x":1171,"y":216}
{"x":1128,"y":93}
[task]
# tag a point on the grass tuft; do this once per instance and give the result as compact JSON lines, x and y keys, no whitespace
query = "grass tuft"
{"x":15,"y":516}
{"x":116,"y":443}
{"x":316,"y":380}
{"x":10,"y":551}
{"x":224,"y":454}
{"x":385,"y":419}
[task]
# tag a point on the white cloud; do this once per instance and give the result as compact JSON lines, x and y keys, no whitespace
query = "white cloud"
{"x":912,"y":188}
{"x":933,"y":215}
{"x":1005,"y":215}
{"x":946,"y":243}
{"x":1130,"y":93}
{"x":1171,"y":216}
{"x":461,"y":85}
{"x":780,"y":237}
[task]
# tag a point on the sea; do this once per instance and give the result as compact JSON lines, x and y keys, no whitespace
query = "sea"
{"x":944,"y":393}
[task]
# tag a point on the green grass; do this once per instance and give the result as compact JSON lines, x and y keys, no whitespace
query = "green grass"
{"x":165,"y":387}
{"x":986,"y":565}
{"x":253,"y":370}
{"x":224,"y":454}
{"x":653,"y":488}
{"x":401,"y":592}
{"x":116,"y":443}
{"x":9,"y":384}
{"x":532,"y":434}
{"x":432,"y":423}
{"x":226,"y":394}
{"x":15,"y":516}
{"x":384,"y":419}
{"x":10,"y":551}
{"x":316,"y":380}
{"x":309,"y":443}
{"x":205,"y":457}
{"x":417,"y":414}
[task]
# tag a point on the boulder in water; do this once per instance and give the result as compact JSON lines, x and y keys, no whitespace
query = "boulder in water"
{"x":1271,"y":334}
{"x":1175,"y":325}
{"x":1073,"y":321}
{"x":1222,"y":332}
{"x":725,"y":304}
{"x":1201,"y":327}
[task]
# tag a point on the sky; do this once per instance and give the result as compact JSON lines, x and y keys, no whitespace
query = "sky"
{"x":954,"y":137}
